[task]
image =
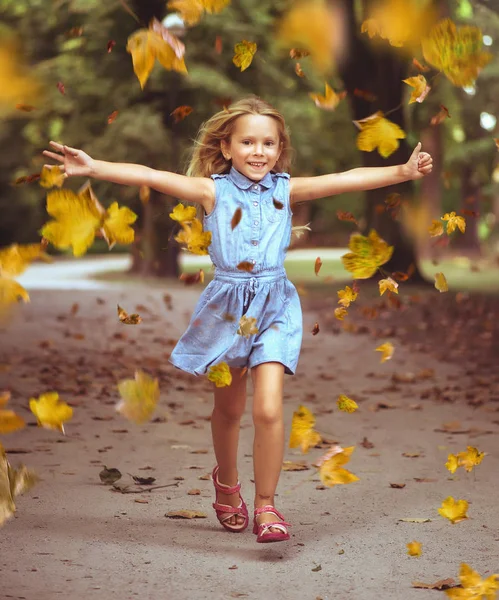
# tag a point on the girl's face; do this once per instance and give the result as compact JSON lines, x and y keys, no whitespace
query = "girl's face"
{"x":254,"y":146}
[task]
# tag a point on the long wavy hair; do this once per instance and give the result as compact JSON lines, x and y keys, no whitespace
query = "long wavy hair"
{"x":207,"y":158}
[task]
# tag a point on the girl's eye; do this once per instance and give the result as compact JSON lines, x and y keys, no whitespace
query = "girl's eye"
{"x":270,"y":143}
{"x":246,"y":142}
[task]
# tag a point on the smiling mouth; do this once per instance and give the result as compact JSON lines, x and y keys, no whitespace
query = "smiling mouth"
{"x":256,"y":165}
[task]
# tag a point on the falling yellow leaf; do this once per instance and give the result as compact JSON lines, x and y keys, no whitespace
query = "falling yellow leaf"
{"x":340,"y":313}
{"x":436,"y":228}
{"x":331,"y":471}
{"x":441,"y":283}
{"x":347,"y":296}
{"x":243,"y":54}
{"x":452,"y":463}
{"x":473,"y":587}
{"x":147,"y":45}
{"x":50,"y":411}
{"x":116,"y":225}
{"x":9,"y":421}
{"x":330,"y":100}
{"x":315,"y":27}
{"x":124,"y":317}
{"x":454,"y":221}
{"x":387,"y":351}
{"x":454,"y":510}
{"x":367,"y":254}
{"x":247,"y":326}
{"x":18,"y":86}
{"x":183,"y":214}
{"x":346,"y":404}
{"x":51,"y":177}
{"x":193,"y":236}
{"x":378,"y":132}
{"x":387,"y":284}
{"x":139,"y":397}
{"x":220,"y":375}
{"x":414,"y":548}
{"x":421,"y":88}
{"x":191,"y":11}
{"x":456,"y":51}
{"x":302,"y":430}
{"x":13,"y":483}
{"x":14,"y":259}
{"x":468,"y":459}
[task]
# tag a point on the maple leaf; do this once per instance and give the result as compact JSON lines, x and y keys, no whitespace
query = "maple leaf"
{"x":124,"y":317}
{"x":76,"y":219}
{"x":302,"y":430}
{"x":421,"y":88}
{"x":13,"y":483}
{"x":14,"y":259}
{"x":139,"y":397}
{"x":452,"y":463}
{"x":468,"y":459}
{"x":414,"y":548}
{"x":116,"y":226}
{"x":340,"y":313}
{"x":331,"y":471}
{"x":367,"y":254}
{"x":387,"y":351}
{"x":378,"y":132}
{"x":330,"y":100}
{"x":456,"y":51}
{"x":220,"y":374}
{"x":147,"y":45}
{"x":387,"y":284}
{"x":346,"y":404}
{"x":473,"y":587}
{"x":191,"y":11}
{"x":454,"y":221}
{"x":454,"y":510}
{"x":51,"y":177}
{"x":183,"y":214}
{"x":50,"y":411}
{"x":9,"y":421}
{"x":193,"y":236}
{"x":243,"y":54}
{"x":441,"y":282}
{"x":347,"y":296}
{"x":436,"y":228}
{"x":247,"y":326}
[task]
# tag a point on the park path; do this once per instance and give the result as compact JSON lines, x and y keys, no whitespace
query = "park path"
{"x":73,"y":537}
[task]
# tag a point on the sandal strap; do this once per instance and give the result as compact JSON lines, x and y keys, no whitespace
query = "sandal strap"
{"x":225,"y":508}
{"x":220,"y":487}
{"x":282,"y":525}
{"x":268,"y":509}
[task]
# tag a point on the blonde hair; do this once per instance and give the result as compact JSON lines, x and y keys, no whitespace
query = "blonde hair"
{"x":207,"y":158}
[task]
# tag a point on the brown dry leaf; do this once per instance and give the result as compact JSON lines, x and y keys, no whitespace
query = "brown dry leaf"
{"x":425,"y":480}
{"x":315,"y":329}
{"x":365,"y":443}
{"x":317,"y":265}
{"x":299,"y":70}
{"x":112,"y":117}
{"x":411,"y":454}
{"x":245,"y":265}
{"x":181,"y":112}
{"x":441,"y":584}
{"x":397,"y":486}
{"x":440,"y":116}
{"x":289,"y":465}
{"x":346,"y":216}
{"x":192,"y":278}
{"x":236,"y":218}
{"x":186,"y":514}
{"x":415,"y":520}
{"x":141,"y":501}
{"x":194,"y":492}
{"x":124,"y":317}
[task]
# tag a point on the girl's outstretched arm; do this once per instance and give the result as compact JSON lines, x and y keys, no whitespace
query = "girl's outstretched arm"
{"x":363,"y":178}
{"x":78,"y":163}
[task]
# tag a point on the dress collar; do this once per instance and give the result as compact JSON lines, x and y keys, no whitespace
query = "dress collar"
{"x":244,"y":183}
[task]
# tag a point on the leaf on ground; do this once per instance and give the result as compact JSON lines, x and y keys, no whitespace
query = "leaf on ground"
{"x":441,"y":584}
{"x":186,"y":514}
{"x":143,"y":480}
{"x":414,"y":548}
{"x":365,"y":443}
{"x":289,"y":465}
{"x":109,"y":476}
{"x":415,"y":520}
{"x":397,"y":486}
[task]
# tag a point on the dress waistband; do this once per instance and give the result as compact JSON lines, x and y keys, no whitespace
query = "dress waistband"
{"x":268,"y":275}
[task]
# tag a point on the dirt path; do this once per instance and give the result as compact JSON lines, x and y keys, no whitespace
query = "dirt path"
{"x":74,"y":537}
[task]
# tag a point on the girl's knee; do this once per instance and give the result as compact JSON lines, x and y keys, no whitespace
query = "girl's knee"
{"x":268,"y":414}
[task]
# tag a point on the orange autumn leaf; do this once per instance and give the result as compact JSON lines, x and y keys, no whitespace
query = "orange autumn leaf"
{"x":181,"y":112}
{"x":317,"y":265}
{"x":346,"y":216}
{"x":192,"y":278}
{"x":243,"y":54}
{"x":112,"y":117}
{"x":245,"y":265}
{"x":440,"y":116}
{"x":330,"y":100}
{"x":347,"y":296}
{"x":419,"y":66}
{"x":436,"y":228}
{"x":414,"y":548}
{"x":124,"y":317}
{"x":387,"y":284}
{"x":298,"y":53}
{"x":299,"y":70}
{"x":191,"y":11}
{"x":236,"y":218}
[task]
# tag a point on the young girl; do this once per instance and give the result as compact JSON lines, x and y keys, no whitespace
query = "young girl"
{"x":241,"y":161}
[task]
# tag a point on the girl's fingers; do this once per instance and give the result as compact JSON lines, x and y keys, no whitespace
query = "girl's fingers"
{"x":57,"y":146}
{"x":53,"y":155}
{"x":72,"y":151}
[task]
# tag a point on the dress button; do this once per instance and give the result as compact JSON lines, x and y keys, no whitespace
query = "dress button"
{"x":255,"y":222}
{"x":255,"y":187}
{"x":255,"y":203}
{"x":254,"y":242}
{"x":254,"y":261}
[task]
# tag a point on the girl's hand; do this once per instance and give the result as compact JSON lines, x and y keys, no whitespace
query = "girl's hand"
{"x":74,"y":162}
{"x":419,"y":164}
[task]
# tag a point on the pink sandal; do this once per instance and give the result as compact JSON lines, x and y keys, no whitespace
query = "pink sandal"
{"x":224,"y":511}
{"x":262,"y":531}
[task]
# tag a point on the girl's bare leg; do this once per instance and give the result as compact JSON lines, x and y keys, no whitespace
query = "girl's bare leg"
{"x":268,"y":448}
{"x":230,"y":402}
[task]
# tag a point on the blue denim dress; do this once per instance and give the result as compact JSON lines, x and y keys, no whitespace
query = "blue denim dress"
{"x":265,"y":293}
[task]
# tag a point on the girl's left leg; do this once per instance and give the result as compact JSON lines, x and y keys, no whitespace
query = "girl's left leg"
{"x":268,"y":447}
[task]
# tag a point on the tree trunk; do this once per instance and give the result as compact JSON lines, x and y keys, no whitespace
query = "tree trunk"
{"x":379,"y":71}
